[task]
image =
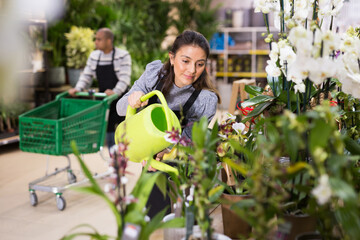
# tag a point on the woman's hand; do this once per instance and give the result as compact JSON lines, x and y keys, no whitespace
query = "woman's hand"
{"x":134,"y":100}
{"x":159,"y":157}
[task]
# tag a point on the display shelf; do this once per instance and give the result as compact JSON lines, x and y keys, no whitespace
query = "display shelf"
{"x":7,"y":138}
{"x":242,"y":74}
{"x":246,"y":58}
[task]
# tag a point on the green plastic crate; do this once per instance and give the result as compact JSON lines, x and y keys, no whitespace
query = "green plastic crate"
{"x":50,"y":128}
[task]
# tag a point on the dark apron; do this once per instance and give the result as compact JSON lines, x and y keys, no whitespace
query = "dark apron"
{"x":157,"y":201}
{"x":107,"y":79}
{"x":185,"y":109}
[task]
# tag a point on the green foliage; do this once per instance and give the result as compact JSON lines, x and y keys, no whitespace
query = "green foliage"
{"x":140,"y":26}
{"x":80,"y":45}
{"x":133,"y":213}
{"x":198,"y":171}
{"x":196,"y":15}
{"x":9,"y":115}
{"x":204,"y":177}
{"x":93,"y":14}
{"x":315,"y":149}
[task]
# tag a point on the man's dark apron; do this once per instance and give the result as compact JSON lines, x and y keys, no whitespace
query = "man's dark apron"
{"x":107,"y":79}
{"x":157,"y":201}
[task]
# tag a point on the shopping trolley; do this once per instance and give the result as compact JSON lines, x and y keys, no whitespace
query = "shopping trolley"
{"x":50,"y":128}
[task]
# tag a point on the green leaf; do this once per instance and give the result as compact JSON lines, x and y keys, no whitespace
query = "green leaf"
{"x":257,"y":111}
{"x":198,"y":134}
{"x":215,"y":193}
{"x":343,"y":190}
{"x":244,"y":204}
{"x":349,"y":219}
{"x":241,"y":149}
{"x":87,"y":189}
{"x":352,"y":146}
{"x":275,"y":85}
{"x":134,"y":216}
{"x":161,"y":183}
{"x":156,"y":223}
{"x":298,"y":166}
{"x":291,"y":143}
{"x":237,"y":167}
{"x":94,"y":235}
{"x":319,"y":135}
{"x":142,"y":190}
{"x":253,"y":90}
{"x":174,"y":223}
{"x":256,"y":100}
{"x":272,"y":133}
{"x":214,"y":132}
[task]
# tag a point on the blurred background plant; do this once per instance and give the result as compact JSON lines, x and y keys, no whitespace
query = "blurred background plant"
{"x":9,"y":122}
{"x":80,"y":45}
{"x":156,"y":23}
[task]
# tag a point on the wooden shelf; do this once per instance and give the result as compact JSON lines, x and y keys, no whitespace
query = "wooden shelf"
{"x":242,"y":74}
{"x":259,"y":52}
{"x":246,"y":45}
{"x":243,"y":52}
{"x":9,"y":140}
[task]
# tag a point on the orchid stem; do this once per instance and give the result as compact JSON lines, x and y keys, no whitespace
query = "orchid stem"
{"x":273,"y":83}
{"x":282,"y":17}
{"x":297,"y":104}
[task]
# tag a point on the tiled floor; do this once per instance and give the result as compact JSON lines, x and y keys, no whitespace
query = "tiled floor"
{"x":21,"y":221}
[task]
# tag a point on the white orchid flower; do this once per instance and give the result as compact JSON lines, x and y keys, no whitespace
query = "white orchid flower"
{"x":274,"y":53}
{"x":271,"y":69}
{"x":355,"y":85}
{"x":331,"y":42}
{"x":323,"y":191}
{"x":301,"y":9}
{"x":287,"y":54}
{"x":298,"y":35}
{"x":350,"y":62}
{"x":299,"y":70}
{"x":265,"y":6}
{"x":338,"y":4}
{"x":300,"y":87}
{"x":238,"y":127}
{"x":321,"y":69}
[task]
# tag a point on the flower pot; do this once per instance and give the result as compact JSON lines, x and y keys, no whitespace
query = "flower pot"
{"x":233,"y":224}
{"x":296,"y":225}
{"x":176,"y":233}
{"x":215,"y":236}
{"x":74,"y":74}
{"x":56,"y":76}
{"x":309,"y":236}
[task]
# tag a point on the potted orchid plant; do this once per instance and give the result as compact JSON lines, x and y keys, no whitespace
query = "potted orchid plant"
{"x":128,"y":209}
{"x":318,"y":179}
{"x":309,"y":61}
{"x":198,"y":171}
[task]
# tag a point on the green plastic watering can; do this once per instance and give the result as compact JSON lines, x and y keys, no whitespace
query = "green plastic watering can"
{"x":146,"y":129}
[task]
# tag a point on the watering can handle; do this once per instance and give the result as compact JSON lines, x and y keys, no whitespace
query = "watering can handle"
{"x":132,"y":111}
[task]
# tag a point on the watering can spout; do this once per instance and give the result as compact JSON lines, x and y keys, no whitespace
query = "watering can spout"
{"x":145,"y":131}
